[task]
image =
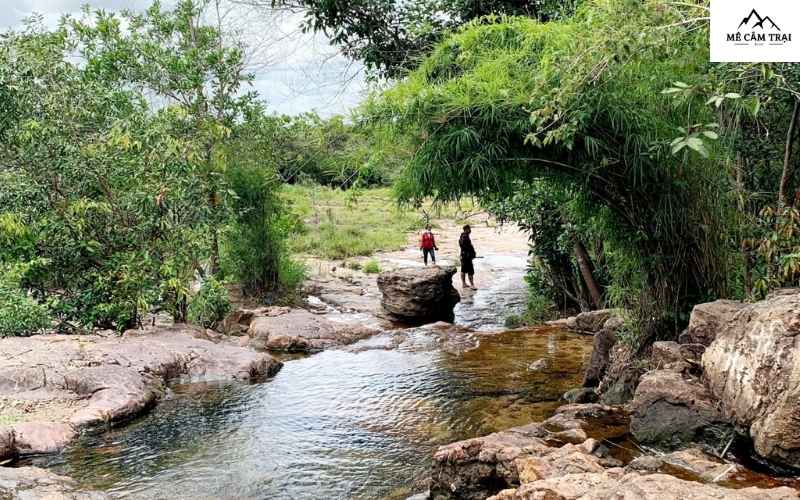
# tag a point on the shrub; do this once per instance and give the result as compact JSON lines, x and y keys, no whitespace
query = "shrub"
{"x":20,"y":315}
{"x":256,"y":251}
{"x":210,"y":304}
{"x":372,"y":267}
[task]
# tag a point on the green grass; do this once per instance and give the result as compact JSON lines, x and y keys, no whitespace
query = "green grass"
{"x":372,"y":267}
{"x":336,"y":224}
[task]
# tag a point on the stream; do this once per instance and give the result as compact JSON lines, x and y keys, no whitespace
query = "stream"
{"x":360,"y":422}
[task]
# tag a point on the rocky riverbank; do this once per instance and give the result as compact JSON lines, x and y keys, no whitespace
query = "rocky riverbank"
{"x":731,"y":377}
{"x":54,"y":386}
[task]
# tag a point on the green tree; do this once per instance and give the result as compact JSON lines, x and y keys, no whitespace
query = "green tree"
{"x":579,"y":103}
{"x":392,"y":36}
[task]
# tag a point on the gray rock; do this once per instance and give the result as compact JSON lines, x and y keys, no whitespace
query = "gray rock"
{"x":580,"y":395}
{"x":707,"y":320}
{"x":33,"y":483}
{"x":419,"y":294}
{"x":604,"y":342}
{"x":89,"y":380}
{"x":669,"y":411}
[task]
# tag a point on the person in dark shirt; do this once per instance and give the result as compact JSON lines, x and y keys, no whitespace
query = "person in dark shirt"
{"x":467,"y":256}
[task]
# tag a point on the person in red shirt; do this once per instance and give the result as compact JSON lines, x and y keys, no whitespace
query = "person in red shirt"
{"x":427,"y":243}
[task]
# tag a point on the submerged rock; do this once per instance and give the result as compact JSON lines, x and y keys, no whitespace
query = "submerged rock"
{"x":563,"y":458}
{"x":72,"y":382}
{"x":419,"y":294}
{"x":563,"y":444}
{"x":753,"y":369}
{"x":31,"y":483}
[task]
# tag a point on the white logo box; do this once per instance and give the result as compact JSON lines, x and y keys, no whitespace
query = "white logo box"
{"x":755,"y":31}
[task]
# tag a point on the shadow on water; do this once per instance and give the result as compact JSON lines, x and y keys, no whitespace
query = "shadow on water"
{"x":339,"y":424}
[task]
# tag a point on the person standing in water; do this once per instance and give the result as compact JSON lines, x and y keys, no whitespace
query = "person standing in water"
{"x":467,"y":256}
{"x":427,"y":243}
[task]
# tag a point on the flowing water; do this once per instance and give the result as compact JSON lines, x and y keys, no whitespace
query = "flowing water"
{"x":360,"y":422}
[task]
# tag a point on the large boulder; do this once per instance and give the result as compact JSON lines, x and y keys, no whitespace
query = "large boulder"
{"x":419,"y":294}
{"x":753,"y":369}
{"x":669,"y":410}
{"x":708,"y":319}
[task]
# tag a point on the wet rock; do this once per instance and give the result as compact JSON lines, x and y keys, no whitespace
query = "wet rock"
{"x":89,"y":380}
{"x":753,"y":369}
{"x":299,"y":330}
{"x":31,"y":483}
{"x":615,"y":484}
{"x":604,"y":342}
{"x":419,"y":294}
{"x":669,"y":410}
{"x":696,"y":464}
{"x":709,"y":319}
{"x":538,"y":365}
{"x":580,"y":395}
{"x":479,"y":467}
{"x":593,"y":321}
{"x":41,"y":437}
{"x":598,"y":421}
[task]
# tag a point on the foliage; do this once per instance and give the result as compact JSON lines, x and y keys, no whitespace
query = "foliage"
{"x":372,"y":267}
{"x":209,"y":306}
{"x":334,"y":152}
{"x":122,"y":201}
{"x":579,"y":103}
{"x":257,"y":255}
{"x":20,"y":315}
{"x":391,"y":36}
{"x":778,"y":250}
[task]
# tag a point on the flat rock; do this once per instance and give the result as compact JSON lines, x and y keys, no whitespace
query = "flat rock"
{"x":33,"y":483}
{"x":592,"y":322}
{"x":72,"y":381}
{"x":615,"y":484}
{"x":303,"y":331}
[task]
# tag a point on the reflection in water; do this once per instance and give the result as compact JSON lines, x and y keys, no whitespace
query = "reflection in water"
{"x":358,"y":423}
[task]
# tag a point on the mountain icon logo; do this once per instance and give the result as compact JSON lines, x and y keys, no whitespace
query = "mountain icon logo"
{"x":757,"y":21}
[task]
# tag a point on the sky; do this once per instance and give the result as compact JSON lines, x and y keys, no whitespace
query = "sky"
{"x":294,"y":72}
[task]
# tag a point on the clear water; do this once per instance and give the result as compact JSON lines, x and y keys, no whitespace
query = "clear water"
{"x":339,"y":424}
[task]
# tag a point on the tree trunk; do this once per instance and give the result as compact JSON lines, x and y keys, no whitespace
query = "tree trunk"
{"x":587,"y":272}
{"x":787,"y":156}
